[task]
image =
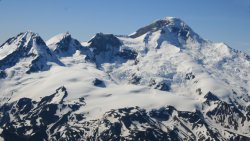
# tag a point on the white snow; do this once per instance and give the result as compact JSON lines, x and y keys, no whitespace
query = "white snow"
{"x":55,"y":39}
{"x":168,"y":62}
{"x":4,"y":51}
{"x":217,"y":68}
{"x":1,"y":130}
{"x":85,"y":43}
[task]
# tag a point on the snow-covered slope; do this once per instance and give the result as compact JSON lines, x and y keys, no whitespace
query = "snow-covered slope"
{"x":26,"y":52}
{"x":163,"y":82}
{"x":63,"y":45}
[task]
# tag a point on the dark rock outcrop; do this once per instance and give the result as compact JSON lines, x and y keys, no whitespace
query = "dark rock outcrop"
{"x":99,"y":83}
{"x":28,"y":120}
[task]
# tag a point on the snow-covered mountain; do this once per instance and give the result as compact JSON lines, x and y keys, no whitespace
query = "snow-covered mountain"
{"x":27,"y":51}
{"x":163,"y":82}
{"x":63,"y":45}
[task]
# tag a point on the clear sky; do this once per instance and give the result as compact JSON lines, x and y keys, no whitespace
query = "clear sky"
{"x":217,"y":20}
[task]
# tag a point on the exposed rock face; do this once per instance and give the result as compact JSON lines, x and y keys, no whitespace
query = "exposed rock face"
{"x":163,"y":82}
{"x":2,"y":74}
{"x":63,"y":45}
{"x":26,"y":48}
{"x":26,"y":120}
{"x":151,"y":28}
{"x":127,"y":54}
{"x":163,"y":86}
{"x":104,"y":42}
{"x":168,"y":25}
{"x":107,"y":48}
{"x":99,"y":83}
{"x":41,"y":120}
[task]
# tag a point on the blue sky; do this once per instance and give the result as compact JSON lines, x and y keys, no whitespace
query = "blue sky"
{"x":217,"y":20}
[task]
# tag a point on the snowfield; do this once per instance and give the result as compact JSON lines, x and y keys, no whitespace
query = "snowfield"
{"x":160,"y":65}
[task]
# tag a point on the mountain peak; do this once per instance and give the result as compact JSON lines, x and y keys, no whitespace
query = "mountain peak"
{"x":119,"y":87}
{"x":28,"y":42}
{"x":63,"y":44}
{"x":27,"y":48}
{"x":174,"y":25}
{"x":24,"y":37}
{"x":108,"y":48}
{"x":58,"y":38}
{"x":174,"y":21}
{"x":103,"y":42}
{"x":29,"y":35}
{"x":157,"y":25}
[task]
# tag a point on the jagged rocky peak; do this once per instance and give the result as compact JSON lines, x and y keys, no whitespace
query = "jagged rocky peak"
{"x":27,"y":48}
{"x":104,"y":42}
{"x":168,"y":25}
{"x":206,"y":88}
{"x":58,"y":97}
{"x":63,"y":44}
{"x":24,"y":37}
{"x":51,"y":111}
{"x":28,"y":42}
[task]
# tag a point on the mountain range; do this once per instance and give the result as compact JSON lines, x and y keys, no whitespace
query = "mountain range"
{"x":163,"y":82}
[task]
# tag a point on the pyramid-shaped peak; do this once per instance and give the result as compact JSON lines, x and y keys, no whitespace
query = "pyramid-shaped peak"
{"x":24,"y":38}
{"x":26,"y":42}
{"x":27,"y":48}
{"x":27,"y":34}
{"x":31,"y":36}
{"x":64,"y":45}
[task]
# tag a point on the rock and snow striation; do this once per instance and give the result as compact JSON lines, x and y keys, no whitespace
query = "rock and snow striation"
{"x":163,"y":82}
{"x":28,"y":51}
{"x":170,"y":29}
{"x":64,"y":45}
